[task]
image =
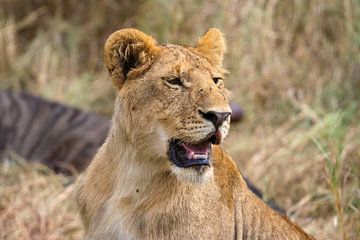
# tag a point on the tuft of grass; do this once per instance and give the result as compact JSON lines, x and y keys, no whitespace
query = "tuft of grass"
{"x":331,"y":143}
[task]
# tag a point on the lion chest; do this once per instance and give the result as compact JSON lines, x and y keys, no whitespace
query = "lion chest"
{"x":187,"y":213}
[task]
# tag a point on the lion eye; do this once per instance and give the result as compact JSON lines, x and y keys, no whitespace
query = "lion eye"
{"x":175,"y":81}
{"x":216,"y":80}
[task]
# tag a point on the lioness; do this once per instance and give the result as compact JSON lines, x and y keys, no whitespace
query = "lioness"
{"x":161,"y":173}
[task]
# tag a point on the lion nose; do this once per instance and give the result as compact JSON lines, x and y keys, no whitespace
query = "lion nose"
{"x":217,"y":118}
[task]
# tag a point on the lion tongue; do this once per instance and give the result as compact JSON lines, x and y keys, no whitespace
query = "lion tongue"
{"x":197,"y":151}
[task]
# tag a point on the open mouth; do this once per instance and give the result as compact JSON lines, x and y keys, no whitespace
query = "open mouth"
{"x":187,"y":155}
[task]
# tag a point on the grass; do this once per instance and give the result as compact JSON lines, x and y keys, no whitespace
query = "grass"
{"x":35,"y":203}
{"x":294,"y":67}
{"x":331,"y":145}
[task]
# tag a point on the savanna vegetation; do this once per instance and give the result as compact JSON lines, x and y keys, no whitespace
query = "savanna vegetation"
{"x":294,"y":66}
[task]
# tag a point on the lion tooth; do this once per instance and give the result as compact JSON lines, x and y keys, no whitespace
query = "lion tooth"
{"x":200,"y":156}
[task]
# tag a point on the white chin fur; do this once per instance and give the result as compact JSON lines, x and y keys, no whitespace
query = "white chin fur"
{"x":191,"y":175}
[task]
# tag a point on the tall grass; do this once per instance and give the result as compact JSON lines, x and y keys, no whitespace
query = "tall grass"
{"x":294,"y":66}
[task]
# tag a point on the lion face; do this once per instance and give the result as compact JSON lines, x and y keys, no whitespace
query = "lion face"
{"x":172,"y":99}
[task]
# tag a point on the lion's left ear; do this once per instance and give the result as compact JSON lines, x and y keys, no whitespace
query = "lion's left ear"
{"x":212,"y":46}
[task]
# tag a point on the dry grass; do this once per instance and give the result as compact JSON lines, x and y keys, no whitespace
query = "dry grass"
{"x":36,"y":204}
{"x":294,"y":67}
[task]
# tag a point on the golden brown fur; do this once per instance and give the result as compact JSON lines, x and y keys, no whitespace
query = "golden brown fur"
{"x":131,"y":190}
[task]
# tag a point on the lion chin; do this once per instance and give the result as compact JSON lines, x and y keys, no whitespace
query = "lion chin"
{"x":194,"y":175}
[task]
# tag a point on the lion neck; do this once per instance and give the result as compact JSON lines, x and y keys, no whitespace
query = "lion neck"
{"x":131,"y":150}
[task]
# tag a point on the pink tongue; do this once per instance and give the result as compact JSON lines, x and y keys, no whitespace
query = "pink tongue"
{"x":200,"y":148}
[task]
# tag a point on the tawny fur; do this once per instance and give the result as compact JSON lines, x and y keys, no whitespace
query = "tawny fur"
{"x":131,"y":190}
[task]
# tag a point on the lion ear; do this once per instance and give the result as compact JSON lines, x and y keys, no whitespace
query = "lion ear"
{"x":212,"y":46}
{"x":128,"y":53}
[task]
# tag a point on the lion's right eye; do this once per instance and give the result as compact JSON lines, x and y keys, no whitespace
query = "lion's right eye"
{"x":175,"y":81}
{"x":216,"y":80}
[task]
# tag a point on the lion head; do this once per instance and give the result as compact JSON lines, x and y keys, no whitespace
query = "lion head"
{"x":172,"y":104}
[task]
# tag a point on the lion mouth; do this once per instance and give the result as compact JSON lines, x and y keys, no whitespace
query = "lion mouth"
{"x":188,"y":155}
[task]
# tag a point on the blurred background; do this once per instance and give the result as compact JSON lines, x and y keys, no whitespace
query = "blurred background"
{"x":294,"y":67}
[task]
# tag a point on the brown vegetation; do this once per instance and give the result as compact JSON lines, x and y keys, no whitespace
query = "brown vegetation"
{"x":294,"y":66}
